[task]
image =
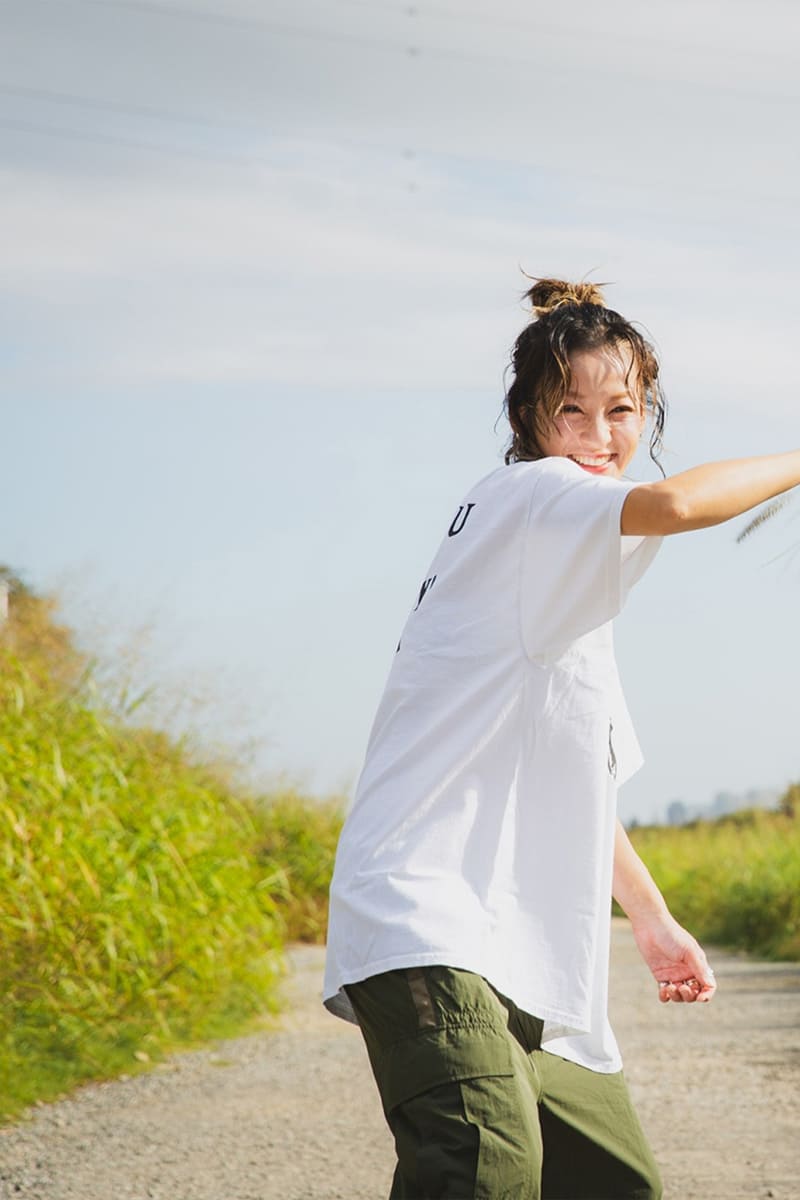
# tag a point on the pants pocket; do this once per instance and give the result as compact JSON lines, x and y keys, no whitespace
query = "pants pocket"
{"x":447,"y":1054}
{"x":448,"y":1069}
{"x":509,"y":1139}
{"x":461,"y":1125}
{"x":471,"y":1139}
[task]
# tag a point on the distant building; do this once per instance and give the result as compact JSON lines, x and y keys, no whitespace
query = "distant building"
{"x":721,"y":805}
{"x":677,"y":813}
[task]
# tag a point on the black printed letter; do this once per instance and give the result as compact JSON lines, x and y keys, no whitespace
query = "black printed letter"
{"x":426,"y":585}
{"x":456,"y":527}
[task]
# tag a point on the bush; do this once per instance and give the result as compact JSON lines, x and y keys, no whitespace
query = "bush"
{"x":301,"y":835}
{"x":734,"y":881}
{"x":144,"y":903}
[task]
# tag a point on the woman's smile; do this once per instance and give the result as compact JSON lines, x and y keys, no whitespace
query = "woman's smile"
{"x":596,"y":464}
{"x":601,"y":420}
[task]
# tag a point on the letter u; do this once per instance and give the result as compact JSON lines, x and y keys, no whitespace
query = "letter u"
{"x":458,"y":521}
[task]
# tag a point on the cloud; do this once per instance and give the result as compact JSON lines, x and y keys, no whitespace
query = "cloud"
{"x":339,"y":275}
{"x":363,"y":213}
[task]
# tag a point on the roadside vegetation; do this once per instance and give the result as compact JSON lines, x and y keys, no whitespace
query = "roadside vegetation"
{"x":144,"y":901}
{"x":734,"y":881}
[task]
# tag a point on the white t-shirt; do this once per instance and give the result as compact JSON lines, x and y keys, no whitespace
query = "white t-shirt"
{"x":481,"y":834}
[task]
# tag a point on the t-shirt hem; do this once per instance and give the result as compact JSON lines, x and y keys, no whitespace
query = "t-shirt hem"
{"x":335,"y":998}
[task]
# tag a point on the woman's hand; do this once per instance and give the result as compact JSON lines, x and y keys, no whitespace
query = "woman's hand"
{"x":676,"y":960}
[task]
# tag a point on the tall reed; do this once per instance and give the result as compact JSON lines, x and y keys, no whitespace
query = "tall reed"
{"x":140,"y":898}
{"x":736,"y":880}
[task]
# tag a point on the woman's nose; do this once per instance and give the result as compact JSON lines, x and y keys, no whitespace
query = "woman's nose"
{"x":599,"y":429}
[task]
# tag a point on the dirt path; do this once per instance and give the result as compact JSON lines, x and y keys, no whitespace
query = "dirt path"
{"x":294,"y":1116}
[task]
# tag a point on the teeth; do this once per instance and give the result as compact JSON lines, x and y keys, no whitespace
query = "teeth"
{"x":588,"y":460}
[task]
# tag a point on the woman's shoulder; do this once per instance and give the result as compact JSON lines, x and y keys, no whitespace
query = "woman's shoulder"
{"x":534,"y":469}
{"x":555,"y":472}
{"x":551,"y":472}
{"x":518,"y":481}
{"x":552,"y":465}
{"x":519,"y":485}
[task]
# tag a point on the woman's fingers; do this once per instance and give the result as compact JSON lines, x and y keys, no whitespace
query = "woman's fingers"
{"x":686,"y":991}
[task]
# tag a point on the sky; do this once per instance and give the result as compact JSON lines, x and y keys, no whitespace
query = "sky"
{"x":261,"y":272}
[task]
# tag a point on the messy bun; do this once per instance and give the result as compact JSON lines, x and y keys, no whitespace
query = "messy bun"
{"x":549,"y":294}
{"x":569,"y":318}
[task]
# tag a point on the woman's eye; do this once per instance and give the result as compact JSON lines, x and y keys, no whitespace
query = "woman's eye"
{"x":569,"y":408}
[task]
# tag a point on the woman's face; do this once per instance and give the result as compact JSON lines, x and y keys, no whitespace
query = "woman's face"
{"x":601,"y":420}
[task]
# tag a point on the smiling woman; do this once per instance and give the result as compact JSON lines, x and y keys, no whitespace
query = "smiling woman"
{"x":584,"y":381}
{"x":601,"y":420}
{"x":469,"y":915}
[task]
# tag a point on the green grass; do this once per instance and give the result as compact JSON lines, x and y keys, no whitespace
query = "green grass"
{"x":734,"y":881}
{"x":302,"y":837}
{"x":144,"y":904}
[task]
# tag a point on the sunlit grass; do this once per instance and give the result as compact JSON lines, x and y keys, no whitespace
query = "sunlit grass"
{"x":144,"y":903}
{"x":301,"y":836}
{"x":734,"y":881}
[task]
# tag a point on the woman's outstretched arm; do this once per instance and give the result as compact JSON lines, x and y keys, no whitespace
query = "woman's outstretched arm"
{"x":676,"y":960}
{"x":708,"y":495}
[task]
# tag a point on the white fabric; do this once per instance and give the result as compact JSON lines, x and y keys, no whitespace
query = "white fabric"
{"x":481,"y":834}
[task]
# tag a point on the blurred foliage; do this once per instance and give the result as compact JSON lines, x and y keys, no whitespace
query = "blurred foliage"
{"x":734,"y":881}
{"x":302,"y":837}
{"x":143,"y":902}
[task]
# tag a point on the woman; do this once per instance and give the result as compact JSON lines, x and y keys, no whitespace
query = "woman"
{"x":469,"y":920}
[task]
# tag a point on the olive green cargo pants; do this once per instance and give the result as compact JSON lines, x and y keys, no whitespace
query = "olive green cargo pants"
{"x":479,"y":1111}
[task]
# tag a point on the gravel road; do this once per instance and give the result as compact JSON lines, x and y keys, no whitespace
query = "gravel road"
{"x":293,"y":1115}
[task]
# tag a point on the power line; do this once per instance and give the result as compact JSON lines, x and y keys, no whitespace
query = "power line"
{"x":414,"y":13}
{"x":415,"y":49}
{"x":216,"y":17}
{"x":74,"y":135}
{"x":76,"y":100}
{"x":258,"y":160}
{"x":125,"y":109}
{"x":411,"y":12}
{"x":255,"y":158}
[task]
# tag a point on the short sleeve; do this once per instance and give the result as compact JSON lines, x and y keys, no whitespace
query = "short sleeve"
{"x":637,"y":554}
{"x":577,"y":567}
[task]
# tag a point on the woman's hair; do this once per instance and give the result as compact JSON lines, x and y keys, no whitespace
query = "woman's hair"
{"x":569,"y":318}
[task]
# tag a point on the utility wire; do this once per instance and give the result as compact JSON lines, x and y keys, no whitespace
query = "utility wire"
{"x":157,"y":114}
{"x":257,"y":159}
{"x":77,"y":100}
{"x":415,"y":12}
{"x":131,"y":110}
{"x":216,"y":17}
{"x":411,"y":51}
{"x":410,"y":12}
{"x":102,"y":139}
{"x":94,"y":103}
